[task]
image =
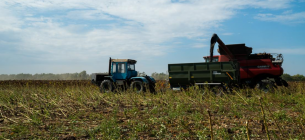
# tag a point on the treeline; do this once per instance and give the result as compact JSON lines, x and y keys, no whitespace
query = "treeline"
{"x":160,"y":76}
{"x":66,"y":76}
{"x":157,"y":76}
{"x":84,"y":76}
{"x":297,"y":77}
{"x":47,"y":76}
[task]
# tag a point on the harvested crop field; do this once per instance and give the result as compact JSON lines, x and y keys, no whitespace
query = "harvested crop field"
{"x":77,"y":110}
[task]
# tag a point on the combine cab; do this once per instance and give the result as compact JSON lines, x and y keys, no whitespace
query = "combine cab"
{"x":122,"y":75}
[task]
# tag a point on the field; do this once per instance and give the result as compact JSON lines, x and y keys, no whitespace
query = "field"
{"x":77,"y":110}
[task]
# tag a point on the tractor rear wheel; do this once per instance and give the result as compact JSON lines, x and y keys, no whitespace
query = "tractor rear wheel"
{"x":106,"y":86}
{"x":137,"y":86}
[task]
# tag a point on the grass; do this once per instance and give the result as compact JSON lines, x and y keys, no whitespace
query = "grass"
{"x":57,"y":110}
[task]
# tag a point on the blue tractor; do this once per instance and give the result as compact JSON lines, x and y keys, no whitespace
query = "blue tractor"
{"x":121,"y":76}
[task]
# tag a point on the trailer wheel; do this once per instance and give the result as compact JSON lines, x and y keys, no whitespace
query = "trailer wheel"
{"x":265,"y":86}
{"x":137,"y":86}
{"x":219,"y":90}
{"x":106,"y":86}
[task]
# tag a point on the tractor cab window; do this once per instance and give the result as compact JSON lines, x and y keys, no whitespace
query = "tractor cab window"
{"x":131,"y":67}
{"x":114,"y":68}
{"x":121,"y":68}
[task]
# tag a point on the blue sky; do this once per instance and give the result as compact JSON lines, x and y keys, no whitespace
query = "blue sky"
{"x":55,"y":36}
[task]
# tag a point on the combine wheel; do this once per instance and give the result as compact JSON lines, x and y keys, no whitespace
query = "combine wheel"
{"x":280,"y":82}
{"x":137,"y":86}
{"x":265,"y":86}
{"x":219,"y":90}
{"x":106,"y":86}
{"x":285,"y":83}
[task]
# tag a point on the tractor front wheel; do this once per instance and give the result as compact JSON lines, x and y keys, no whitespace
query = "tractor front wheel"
{"x":137,"y":86}
{"x":106,"y":86}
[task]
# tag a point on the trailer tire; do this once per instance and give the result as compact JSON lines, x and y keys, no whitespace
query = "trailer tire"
{"x":137,"y":86}
{"x":106,"y":86}
{"x":219,"y":90}
{"x":265,"y":86}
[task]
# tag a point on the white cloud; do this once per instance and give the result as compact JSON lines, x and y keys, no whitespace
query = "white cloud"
{"x":58,"y":30}
{"x":270,"y":4}
{"x":61,"y":44}
{"x":227,"y":33}
{"x":286,"y":17}
{"x":88,"y":15}
{"x":199,"y":46}
{"x":8,"y":20}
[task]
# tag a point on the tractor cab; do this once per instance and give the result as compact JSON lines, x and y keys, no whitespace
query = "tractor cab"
{"x":123,"y":69}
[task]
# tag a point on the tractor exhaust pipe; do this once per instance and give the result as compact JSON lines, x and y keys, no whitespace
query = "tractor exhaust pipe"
{"x":109,"y":70}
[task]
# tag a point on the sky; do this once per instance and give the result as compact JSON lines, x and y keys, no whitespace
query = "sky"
{"x":68,"y":36}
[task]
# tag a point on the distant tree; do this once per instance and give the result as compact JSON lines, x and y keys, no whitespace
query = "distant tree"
{"x":4,"y":77}
{"x":46,"y":76}
{"x":298,"y":77}
{"x":82,"y":75}
{"x":141,"y":73}
{"x":287,"y":77}
{"x":23,"y":76}
{"x":159,"y":76}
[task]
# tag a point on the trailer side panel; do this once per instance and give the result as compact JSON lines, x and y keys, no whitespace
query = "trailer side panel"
{"x":187,"y":74}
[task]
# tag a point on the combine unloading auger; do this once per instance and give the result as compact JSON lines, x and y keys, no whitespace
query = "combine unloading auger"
{"x":215,"y":39}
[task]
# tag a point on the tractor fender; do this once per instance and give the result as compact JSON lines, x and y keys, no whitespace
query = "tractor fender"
{"x":151,"y":78}
{"x":143,"y":79}
{"x":109,"y":78}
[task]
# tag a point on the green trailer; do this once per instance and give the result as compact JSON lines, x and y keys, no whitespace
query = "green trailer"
{"x":183,"y":75}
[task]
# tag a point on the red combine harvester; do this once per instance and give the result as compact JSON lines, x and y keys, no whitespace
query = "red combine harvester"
{"x":262,"y":70}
